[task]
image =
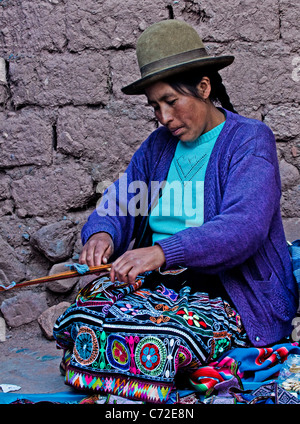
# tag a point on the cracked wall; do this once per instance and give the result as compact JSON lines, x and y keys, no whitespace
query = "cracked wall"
{"x":66,"y":126}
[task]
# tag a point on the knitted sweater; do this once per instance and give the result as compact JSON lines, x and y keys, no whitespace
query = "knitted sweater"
{"x":242,"y":237}
{"x":181,"y":204}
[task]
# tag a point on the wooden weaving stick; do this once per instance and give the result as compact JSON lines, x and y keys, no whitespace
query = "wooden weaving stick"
{"x":60,"y":276}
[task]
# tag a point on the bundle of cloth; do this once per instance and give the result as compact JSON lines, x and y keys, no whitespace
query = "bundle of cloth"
{"x":241,"y":372}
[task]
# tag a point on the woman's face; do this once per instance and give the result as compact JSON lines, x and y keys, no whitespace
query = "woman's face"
{"x":185,"y":116}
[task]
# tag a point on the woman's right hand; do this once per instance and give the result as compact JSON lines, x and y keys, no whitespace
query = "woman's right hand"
{"x":97,"y":250}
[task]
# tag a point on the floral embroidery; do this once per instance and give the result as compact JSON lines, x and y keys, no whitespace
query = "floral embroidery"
{"x":191,"y":318}
{"x":221,"y":345}
{"x":86,"y":346}
{"x":129,"y":309}
{"x":149,"y":357}
{"x":119,"y":352}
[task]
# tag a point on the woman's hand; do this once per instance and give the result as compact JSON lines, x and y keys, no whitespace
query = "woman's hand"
{"x":134,"y":262}
{"x":97,"y":250}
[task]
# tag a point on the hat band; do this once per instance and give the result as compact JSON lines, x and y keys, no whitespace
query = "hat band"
{"x":176,"y":59}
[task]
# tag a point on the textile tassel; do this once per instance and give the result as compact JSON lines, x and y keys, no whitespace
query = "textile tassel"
{"x":12,"y":284}
{"x":80,"y":268}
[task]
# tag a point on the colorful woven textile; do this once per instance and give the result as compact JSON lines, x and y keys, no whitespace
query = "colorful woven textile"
{"x":245,"y":365}
{"x":134,"y":340}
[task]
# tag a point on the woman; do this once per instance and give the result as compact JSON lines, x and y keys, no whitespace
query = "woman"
{"x":193,"y":231}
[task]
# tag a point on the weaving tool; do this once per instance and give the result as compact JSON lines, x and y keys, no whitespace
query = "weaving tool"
{"x":61,"y":276}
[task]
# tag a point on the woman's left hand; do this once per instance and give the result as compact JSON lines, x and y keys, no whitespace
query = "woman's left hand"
{"x":134,"y":262}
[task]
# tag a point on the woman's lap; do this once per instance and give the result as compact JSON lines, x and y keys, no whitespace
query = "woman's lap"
{"x":133,"y":341}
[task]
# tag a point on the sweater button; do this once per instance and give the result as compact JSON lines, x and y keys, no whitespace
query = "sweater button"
{"x":257,"y":338}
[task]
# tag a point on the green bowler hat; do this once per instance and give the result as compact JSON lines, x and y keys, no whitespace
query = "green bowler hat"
{"x":171,"y":47}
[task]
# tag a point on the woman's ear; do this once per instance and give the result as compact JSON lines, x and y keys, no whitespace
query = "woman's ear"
{"x":204,"y":88}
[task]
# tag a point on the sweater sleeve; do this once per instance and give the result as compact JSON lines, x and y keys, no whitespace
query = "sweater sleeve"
{"x":112,"y":215}
{"x":251,"y":196}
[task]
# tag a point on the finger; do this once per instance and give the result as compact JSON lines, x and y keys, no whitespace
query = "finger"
{"x":132,"y":275}
{"x":90,"y":257}
{"x":121,"y":272}
{"x":82,"y":257}
{"x":107,"y":254}
{"x":98,"y":254}
{"x":114,"y":266}
{"x":86,"y":256}
{"x":90,"y":253}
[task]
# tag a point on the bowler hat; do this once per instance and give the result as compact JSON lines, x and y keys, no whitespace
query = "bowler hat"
{"x":170,"y":47}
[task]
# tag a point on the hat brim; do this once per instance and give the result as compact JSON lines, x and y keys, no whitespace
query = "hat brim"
{"x":209,"y":63}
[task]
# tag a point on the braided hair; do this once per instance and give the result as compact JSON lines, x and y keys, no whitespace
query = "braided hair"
{"x":187,"y":83}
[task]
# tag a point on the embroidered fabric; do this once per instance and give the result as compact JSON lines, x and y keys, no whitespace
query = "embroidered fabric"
{"x":134,"y":341}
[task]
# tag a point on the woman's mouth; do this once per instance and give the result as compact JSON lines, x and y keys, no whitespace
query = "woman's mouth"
{"x":176,"y":131}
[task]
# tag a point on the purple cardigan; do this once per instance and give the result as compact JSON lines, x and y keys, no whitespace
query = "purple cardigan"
{"x":242,"y":238}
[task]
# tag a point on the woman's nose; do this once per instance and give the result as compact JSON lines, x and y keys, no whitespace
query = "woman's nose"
{"x":165,"y":116}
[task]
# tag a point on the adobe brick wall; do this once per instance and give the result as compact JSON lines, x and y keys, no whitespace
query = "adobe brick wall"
{"x":65,"y":125}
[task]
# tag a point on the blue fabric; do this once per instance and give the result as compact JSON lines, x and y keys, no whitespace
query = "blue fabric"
{"x":295,"y":255}
{"x":261,"y":364}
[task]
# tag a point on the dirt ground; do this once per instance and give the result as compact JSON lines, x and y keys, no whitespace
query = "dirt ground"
{"x":30,"y":361}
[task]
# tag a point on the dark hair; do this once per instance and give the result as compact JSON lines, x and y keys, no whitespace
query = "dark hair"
{"x":187,"y":83}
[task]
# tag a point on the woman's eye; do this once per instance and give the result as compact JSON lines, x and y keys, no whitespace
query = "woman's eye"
{"x":171,"y":102}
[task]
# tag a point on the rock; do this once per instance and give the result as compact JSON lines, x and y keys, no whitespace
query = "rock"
{"x":109,"y":23}
{"x":48,"y":318}
{"x":55,"y":241}
{"x":289,"y":25}
{"x":124,"y":68}
{"x":2,"y":330}
{"x":6,"y":207}
{"x":78,"y":135}
{"x":23,"y":308}
{"x":28,"y":125}
{"x":217,"y":21}
{"x":10,"y":265}
{"x":86,"y":279}
{"x":31,"y":27}
{"x":3,"y":71}
{"x":61,"y":286}
{"x":289,"y":175}
{"x":53,"y":190}
{"x":55,"y":79}
{"x":3,"y":93}
{"x":250,"y":65}
{"x":284,"y":121}
{"x":291,"y":228}
{"x":290,"y":203}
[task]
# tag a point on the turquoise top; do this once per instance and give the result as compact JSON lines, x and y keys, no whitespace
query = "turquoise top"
{"x":182,"y":202}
